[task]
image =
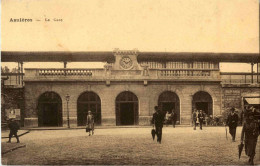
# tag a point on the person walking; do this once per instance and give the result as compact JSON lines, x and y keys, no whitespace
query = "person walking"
{"x":173,"y":117}
{"x":195,"y":118}
{"x":201,"y":118}
{"x":232,"y":121}
{"x":14,"y":127}
{"x":250,"y":133}
{"x":90,"y":123}
{"x":157,"y":120}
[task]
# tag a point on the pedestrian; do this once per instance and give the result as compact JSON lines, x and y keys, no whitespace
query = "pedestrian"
{"x":201,"y":118}
{"x":90,"y":123}
{"x":195,"y":118}
{"x":157,"y":120}
{"x":206,"y":119}
{"x":173,"y":117}
{"x":232,"y":121}
{"x":167,"y":118}
{"x":250,"y":133}
{"x":14,"y":127}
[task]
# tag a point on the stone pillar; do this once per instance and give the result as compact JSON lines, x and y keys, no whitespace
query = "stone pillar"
{"x":145,"y":70}
{"x":186,"y":109}
{"x":108,"y":112}
{"x":144,"y":117}
{"x":108,"y":68}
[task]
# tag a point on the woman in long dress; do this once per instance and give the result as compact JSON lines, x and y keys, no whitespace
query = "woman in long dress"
{"x":90,"y":123}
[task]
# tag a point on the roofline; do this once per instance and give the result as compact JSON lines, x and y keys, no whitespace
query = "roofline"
{"x":108,"y":56}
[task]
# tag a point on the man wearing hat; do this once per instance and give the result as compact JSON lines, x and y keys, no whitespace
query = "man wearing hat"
{"x":232,"y":121}
{"x":158,"y":119}
{"x":250,"y":132}
{"x":14,"y":127}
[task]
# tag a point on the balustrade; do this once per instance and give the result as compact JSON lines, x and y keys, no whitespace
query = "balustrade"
{"x":64,"y":72}
{"x":184,"y":73}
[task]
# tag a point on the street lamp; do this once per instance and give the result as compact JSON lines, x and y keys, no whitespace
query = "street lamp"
{"x":68,"y":116}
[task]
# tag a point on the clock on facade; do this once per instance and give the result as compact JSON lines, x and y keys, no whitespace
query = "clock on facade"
{"x":126,"y":62}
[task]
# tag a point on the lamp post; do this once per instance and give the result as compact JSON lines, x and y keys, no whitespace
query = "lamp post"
{"x":68,"y":116}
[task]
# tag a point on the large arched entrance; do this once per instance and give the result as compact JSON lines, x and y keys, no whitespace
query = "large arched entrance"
{"x":202,"y":101}
{"x":169,"y":100}
{"x":49,"y":109}
{"x":127,"y":109}
{"x":88,"y":101}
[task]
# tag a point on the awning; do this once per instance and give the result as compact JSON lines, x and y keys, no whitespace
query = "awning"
{"x":253,"y":101}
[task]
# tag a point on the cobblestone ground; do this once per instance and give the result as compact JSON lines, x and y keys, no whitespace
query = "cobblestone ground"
{"x":128,"y":146}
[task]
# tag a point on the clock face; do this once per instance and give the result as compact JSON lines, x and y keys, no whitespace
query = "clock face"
{"x":126,"y":62}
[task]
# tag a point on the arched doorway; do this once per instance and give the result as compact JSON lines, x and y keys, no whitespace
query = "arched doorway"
{"x":202,"y":101}
{"x":49,"y":109}
{"x":88,"y":101}
{"x":169,"y":100}
{"x":127,"y":109}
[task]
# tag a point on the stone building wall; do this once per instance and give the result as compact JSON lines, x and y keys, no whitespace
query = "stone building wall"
{"x":147,"y":98}
{"x":232,"y":95}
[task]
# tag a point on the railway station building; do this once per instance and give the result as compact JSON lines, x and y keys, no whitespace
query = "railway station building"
{"x":126,"y":89}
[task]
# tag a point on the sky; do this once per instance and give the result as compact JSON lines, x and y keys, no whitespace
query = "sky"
{"x":148,"y":25}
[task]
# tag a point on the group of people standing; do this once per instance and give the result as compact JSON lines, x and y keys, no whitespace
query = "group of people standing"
{"x":197,"y":118}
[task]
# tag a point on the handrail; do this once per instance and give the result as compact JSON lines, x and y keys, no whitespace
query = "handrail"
{"x":64,"y":68}
{"x":238,"y":73}
{"x":184,"y":72}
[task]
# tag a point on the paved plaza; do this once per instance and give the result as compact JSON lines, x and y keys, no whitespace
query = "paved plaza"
{"x":127,"y":146}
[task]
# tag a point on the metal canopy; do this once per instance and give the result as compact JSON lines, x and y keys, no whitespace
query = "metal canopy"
{"x":57,"y":56}
{"x":108,"y":56}
{"x":253,"y":101}
{"x":205,"y":56}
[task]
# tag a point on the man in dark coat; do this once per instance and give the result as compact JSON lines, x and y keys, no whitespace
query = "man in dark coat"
{"x":250,"y":131}
{"x":158,"y":119}
{"x":174,"y":118}
{"x":201,"y":118}
{"x":232,"y":121}
{"x":14,"y":127}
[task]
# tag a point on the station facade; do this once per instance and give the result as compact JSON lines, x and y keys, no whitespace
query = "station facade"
{"x":125,"y":92}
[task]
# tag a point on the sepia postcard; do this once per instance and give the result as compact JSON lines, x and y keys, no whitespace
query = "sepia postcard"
{"x":130,"y":82}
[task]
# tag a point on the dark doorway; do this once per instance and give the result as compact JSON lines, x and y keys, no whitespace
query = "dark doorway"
{"x":126,"y":109}
{"x":127,"y":113}
{"x":168,"y":106}
{"x":88,"y":101}
{"x":49,"y":110}
{"x":169,"y":100}
{"x":202,"y":101}
{"x":203,"y":106}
